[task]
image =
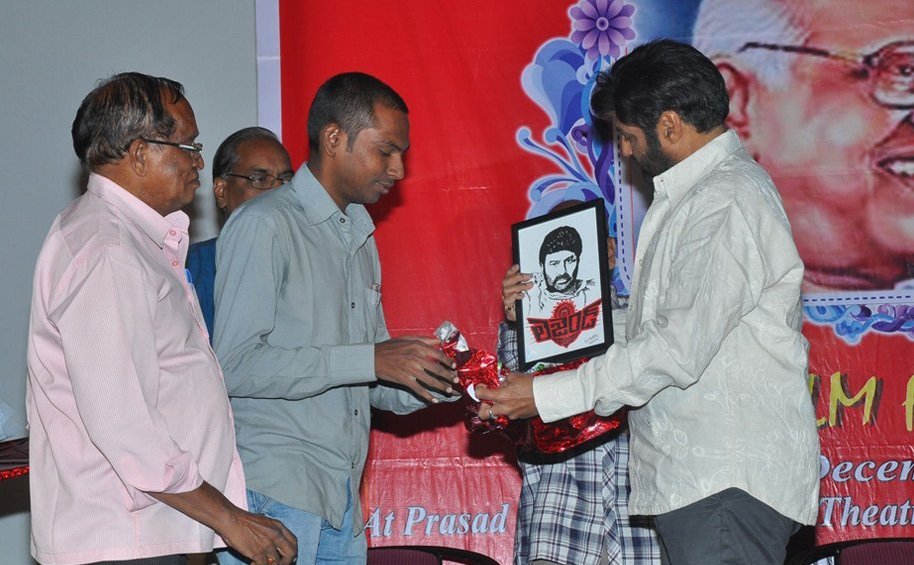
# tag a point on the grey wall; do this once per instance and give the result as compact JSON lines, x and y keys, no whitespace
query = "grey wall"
{"x":51,"y":54}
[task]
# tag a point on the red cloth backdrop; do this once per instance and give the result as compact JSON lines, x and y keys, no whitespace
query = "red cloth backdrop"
{"x":443,"y":232}
{"x":444,"y":238}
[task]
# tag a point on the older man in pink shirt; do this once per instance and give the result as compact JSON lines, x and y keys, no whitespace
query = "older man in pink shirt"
{"x":132,"y":442}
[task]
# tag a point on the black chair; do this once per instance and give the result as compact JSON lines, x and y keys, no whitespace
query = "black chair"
{"x":425,"y":555}
{"x":879,"y":551}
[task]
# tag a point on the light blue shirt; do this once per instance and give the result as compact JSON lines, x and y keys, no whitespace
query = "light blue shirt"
{"x":298,"y":311}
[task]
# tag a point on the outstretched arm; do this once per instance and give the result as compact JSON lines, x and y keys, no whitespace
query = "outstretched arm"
{"x":416,"y":363}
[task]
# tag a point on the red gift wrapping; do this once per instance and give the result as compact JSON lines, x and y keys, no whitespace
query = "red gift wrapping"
{"x":476,"y":366}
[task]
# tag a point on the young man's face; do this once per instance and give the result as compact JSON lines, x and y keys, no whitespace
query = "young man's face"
{"x":368,"y":170}
{"x":560,"y":269}
{"x":842,"y":159}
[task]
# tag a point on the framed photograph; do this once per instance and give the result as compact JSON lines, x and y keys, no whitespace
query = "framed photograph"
{"x":567,"y":313}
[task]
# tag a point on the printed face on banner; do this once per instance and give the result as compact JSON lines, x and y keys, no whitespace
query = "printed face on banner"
{"x":830,"y":120}
{"x":833,"y":129}
{"x":822,"y":102}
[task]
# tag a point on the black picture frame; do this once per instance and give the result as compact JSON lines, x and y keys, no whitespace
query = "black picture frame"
{"x":560,"y":320}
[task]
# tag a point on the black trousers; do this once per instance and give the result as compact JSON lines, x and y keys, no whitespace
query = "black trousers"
{"x":727,"y":528}
{"x":161,"y":560}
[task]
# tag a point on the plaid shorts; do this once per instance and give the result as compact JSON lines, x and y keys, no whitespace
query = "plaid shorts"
{"x":575,"y":510}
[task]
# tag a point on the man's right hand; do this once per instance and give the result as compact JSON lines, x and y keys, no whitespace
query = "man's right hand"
{"x":416,"y":363}
{"x":263,"y":540}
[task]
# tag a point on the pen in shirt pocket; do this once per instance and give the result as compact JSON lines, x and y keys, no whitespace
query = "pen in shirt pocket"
{"x":375,"y":292}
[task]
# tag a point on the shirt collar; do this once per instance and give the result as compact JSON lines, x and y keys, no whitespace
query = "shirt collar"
{"x":676,"y":181}
{"x":153,"y":224}
{"x":320,"y":207}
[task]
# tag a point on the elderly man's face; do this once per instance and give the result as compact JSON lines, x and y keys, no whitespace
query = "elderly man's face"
{"x":560,"y":270}
{"x":263,"y":157}
{"x":174,"y":173}
{"x":844,"y":163}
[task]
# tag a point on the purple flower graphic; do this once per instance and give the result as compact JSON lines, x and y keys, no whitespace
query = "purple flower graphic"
{"x":601,"y":27}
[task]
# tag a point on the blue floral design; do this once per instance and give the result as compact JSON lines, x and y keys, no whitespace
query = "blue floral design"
{"x":560,"y":80}
{"x":852,"y":322}
{"x":601,"y":27}
{"x":554,"y":82}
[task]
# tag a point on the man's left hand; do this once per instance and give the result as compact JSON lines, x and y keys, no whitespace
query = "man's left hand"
{"x":514,"y":398}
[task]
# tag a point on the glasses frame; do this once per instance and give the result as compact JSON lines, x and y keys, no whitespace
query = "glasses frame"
{"x":251,"y":180}
{"x":866,"y":63}
{"x":196,"y":148}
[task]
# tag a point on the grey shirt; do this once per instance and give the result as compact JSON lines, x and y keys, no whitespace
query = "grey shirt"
{"x":298,"y":310}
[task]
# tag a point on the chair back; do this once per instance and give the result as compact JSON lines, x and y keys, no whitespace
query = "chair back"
{"x":878,"y":552}
{"x":400,"y":556}
{"x":425,"y":555}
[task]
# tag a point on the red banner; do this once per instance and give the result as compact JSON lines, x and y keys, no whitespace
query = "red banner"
{"x":444,"y":232}
{"x":865,"y":405}
{"x":497,"y":94}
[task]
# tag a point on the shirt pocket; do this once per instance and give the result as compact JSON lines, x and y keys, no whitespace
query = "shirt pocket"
{"x":372,"y":300}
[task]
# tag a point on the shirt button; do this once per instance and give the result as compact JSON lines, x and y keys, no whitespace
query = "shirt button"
{"x":342,"y":220}
{"x":356,"y":411}
{"x":174,"y":263}
{"x":352,"y":465}
{"x":352,"y":305}
{"x":171,"y":232}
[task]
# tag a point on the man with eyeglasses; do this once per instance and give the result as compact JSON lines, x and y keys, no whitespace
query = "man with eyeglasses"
{"x":824,"y":102}
{"x":248,"y":163}
{"x":132,"y":447}
{"x":300,"y":329}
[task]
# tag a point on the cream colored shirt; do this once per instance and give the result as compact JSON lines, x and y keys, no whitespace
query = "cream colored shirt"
{"x":715,"y":362}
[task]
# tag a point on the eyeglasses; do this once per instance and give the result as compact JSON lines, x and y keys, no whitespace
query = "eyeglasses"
{"x":890,"y":69}
{"x":194,"y":148}
{"x":263,"y":181}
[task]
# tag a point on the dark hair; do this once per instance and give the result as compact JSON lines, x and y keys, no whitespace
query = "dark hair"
{"x":659,"y":76}
{"x":123,"y":108}
{"x":348,"y":100}
{"x":227,"y":154}
{"x":564,"y":238}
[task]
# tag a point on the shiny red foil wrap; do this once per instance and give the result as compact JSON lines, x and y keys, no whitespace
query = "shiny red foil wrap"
{"x":571,"y":432}
{"x":476,"y":366}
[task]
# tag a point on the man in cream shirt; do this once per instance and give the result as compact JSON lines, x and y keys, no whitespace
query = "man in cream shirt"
{"x":724,"y":447}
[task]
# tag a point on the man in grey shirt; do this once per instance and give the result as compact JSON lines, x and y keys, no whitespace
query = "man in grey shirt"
{"x":299,"y":327}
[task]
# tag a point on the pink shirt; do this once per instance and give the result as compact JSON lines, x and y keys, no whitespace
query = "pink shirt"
{"x":124,"y":394}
